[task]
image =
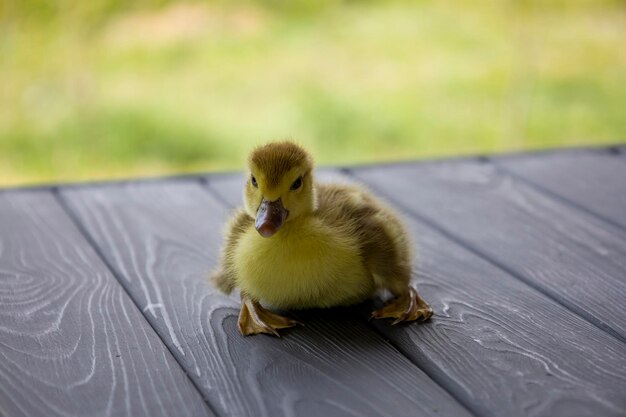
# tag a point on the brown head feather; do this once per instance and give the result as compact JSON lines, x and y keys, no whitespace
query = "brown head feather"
{"x":277,"y":158}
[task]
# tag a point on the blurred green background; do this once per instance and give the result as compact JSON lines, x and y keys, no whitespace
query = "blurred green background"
{"x":108,"y":88}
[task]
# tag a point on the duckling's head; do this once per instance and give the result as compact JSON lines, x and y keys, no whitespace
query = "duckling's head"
{"x":279,"y":188}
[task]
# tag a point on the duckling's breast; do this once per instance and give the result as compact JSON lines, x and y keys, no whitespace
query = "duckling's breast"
{"x":304,"y":265}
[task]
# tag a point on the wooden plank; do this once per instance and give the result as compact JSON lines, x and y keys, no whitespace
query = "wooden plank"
{"x":592,"y":180}
{"x":571,"y":256}
{"x":71,"y":340}
{"x":499,"y":346}
{"x":165,"y":238}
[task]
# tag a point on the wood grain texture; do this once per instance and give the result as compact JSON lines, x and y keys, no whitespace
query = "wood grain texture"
{"x":501,"y":347}
{"x":592,"y":180}
{"x":71,"y":341}
{"x":165,"y":238}
{"x":574,"y":257}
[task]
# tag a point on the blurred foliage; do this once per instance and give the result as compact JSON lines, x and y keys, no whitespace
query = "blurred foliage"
{"x":110,"y":88}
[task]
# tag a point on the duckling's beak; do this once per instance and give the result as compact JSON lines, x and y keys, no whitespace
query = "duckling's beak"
{"x":270,"y":217}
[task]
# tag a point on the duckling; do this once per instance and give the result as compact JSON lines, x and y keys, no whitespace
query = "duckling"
{"x":297,"y":244}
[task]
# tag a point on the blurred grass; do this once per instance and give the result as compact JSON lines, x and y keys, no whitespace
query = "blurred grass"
{"x":104,"y":89}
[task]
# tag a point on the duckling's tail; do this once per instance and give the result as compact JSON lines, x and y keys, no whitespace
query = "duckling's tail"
{"x":221,"y":280}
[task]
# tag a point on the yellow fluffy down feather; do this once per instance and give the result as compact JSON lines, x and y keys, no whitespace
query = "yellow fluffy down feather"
{"x":297,"y":244}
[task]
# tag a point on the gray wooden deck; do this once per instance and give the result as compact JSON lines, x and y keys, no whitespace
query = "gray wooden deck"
{"x":105,"y":308}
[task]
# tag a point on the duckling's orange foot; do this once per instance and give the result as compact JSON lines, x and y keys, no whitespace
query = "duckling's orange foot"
{"x":406,"y":307}
{"x":254,"y":319}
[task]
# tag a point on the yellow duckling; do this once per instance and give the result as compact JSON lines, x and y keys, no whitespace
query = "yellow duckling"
{"x":297,"y":244}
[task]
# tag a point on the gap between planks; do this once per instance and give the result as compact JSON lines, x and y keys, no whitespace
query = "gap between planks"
{"x":551,"y":194}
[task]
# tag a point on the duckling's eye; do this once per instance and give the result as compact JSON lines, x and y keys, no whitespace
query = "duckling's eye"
{"x":253,"y":181}
{"x":296,"y":184}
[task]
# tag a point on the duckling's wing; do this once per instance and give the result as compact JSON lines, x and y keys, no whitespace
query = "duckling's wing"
{"x":224,"y":277}
{"x":384,"y":242}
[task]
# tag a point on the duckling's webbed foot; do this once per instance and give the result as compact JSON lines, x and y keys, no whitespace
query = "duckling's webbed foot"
{"x":254,"y":319}
{"x":406,"y":307}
